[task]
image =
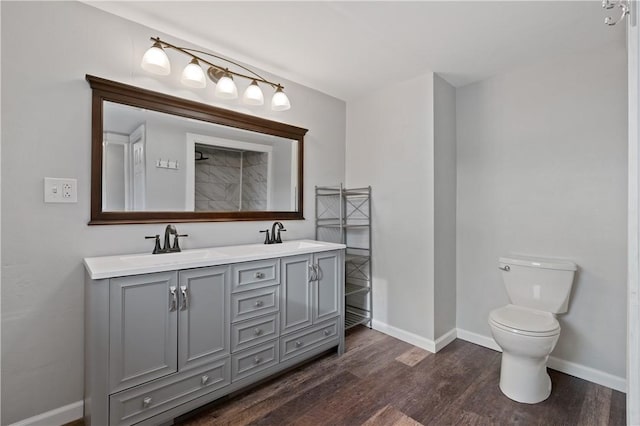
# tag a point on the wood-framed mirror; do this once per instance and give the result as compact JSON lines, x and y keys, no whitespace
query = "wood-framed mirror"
{"x":159,"y":158}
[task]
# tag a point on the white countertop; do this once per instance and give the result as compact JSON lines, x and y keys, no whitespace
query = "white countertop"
{"x":144,"y":263}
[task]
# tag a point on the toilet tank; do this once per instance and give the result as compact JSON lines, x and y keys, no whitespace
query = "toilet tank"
{"x":538,"y":283}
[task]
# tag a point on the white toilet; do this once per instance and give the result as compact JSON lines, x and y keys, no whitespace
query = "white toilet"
{"x":527,"y":329}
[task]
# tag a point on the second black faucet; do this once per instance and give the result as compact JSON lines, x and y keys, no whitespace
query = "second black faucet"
{"x":274,"y":237}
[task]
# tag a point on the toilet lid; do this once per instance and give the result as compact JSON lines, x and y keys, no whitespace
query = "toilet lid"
{"x":525,"y":319}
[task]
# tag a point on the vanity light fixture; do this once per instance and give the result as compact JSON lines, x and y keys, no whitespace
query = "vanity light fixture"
{"x":226,"y":88}
{"x":280,"y":101}
{"x":253,"y":95}
{"x":156,"y":61}
{"x":193,"y":76}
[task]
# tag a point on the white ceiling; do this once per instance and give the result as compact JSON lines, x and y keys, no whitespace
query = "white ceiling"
{"x":347,"y":48}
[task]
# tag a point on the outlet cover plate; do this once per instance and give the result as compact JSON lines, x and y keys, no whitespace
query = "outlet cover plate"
{"x":60,"y":190}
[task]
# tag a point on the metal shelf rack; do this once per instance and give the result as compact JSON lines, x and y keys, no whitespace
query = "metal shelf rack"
{"x":343,"y":215}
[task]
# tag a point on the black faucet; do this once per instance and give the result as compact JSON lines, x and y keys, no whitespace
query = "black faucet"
{"x":274,"y":237}
{"x":168,"y":231}
{"x":168,"y":248}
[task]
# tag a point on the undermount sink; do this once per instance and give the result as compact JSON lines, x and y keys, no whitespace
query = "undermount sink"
{"x":169,"y":258}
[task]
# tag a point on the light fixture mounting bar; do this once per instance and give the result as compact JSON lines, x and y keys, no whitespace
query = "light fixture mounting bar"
{"x":188,"y":52}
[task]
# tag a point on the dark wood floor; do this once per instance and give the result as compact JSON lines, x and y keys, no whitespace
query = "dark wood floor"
{"x":384,"y":381}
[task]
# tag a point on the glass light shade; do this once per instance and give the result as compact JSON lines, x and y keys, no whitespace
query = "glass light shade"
{"x":253,"y":94}
{"x":155,"y":60}
{"x":280,"y":101}
{"x":193,"y":75}
{"x":226,"y":88}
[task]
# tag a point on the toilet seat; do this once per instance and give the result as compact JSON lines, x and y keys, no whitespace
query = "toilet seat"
{"x":525,"y":321}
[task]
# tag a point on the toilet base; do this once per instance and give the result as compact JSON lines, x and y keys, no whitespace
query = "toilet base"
{"x":524,"y":379}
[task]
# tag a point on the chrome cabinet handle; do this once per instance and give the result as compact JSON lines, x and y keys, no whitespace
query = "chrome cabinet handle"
{"x":259,"y":275}
{"x":204,"y":379}
{"x":184,"y":303}
{"x":173,"y":299}
{"x":298,"y":344}
{"x":312,"y":273}
{"x":327,"y":332}
{"x":257,"y":360}
{"x":318,"y":272}
{"x":146,"y":402}
{"x":506,"y":268}
{"x":257,"y":332}
{"x":258,"y":303}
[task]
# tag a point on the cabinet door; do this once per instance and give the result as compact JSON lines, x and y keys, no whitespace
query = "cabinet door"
{"x":203,"y":316}
{"x":143,"y":328}
{"x":327,"y":295}
{"x":296,"y":293}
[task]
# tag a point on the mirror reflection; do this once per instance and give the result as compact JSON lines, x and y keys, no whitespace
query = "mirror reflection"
{"x":153,"y":161}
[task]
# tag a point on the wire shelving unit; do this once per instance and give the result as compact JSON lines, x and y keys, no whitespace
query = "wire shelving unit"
{"x":343,"y":215}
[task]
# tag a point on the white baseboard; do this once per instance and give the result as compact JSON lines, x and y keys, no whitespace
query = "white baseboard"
{"x":445,"y":339}
{"x":414,"y":339}
{"x":478,"y":339}
{"x":567,"y":367}
{"x":405,"y":336}
{"x":58,"y":416}
{"x":588,"y":373}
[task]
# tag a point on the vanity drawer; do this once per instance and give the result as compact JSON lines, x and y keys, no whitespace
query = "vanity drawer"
{"x":252,"y":360}
{"x":305,"y":340}
{"x":251,"y":332}
{"x":257,"y":274}
{"x":136,"y":404}
{"x":253,"y":303}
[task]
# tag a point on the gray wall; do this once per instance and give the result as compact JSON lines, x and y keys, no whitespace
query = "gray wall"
{"x":281,"y":199}
{"x":390,"y":147}
{"x":444,"y":111}
{"x":165,"y":188}
{"x":542,"y":170}
{"x":405,"y":148}
{"x":47,"y":48}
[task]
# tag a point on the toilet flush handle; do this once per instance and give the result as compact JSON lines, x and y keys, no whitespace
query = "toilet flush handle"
{"x":505,"y":268}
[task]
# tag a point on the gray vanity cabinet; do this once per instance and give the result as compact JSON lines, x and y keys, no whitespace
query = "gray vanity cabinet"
{"x":143,"y":330}
{"x":296,"y":307}
{"x":311,"y":303}
{"x":203,"y":316}
{"x":160,"y":344}
{"x":310,"y":292}
{"x":326,"y":294}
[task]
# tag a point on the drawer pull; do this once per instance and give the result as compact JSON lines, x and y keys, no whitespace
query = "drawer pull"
{"x":257,"y":360}
{"x":173,"y":299}
{"x":298,"y":344}
{"x":259,"y":275}
{"x":204,"y":380}
{"x":146,"y":402}
{"x":258,"y":303}
{"x":257,"y":332}
{"x":184,"y":302}
{"x":327,"y":332}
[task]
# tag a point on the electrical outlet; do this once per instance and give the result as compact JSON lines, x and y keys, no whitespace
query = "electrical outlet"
{"x":60,"y":190}
{"x":67,"y":190}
